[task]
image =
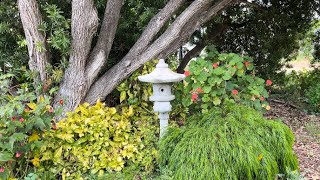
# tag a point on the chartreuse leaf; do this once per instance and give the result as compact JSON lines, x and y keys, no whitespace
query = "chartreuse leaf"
{"x":216,"y":100}
{"x":57,"y":154}
{"x":123,"y":96}
{"x":34,"y":137}
{"x":32,"y":106}
{"x":218,"y":71}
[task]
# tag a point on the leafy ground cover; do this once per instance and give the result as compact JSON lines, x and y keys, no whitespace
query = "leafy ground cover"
{"x":306,"y":129}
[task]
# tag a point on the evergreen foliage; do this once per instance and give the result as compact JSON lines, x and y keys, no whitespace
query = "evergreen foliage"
{"x":266,"y":30}
{"x":234,"y":142}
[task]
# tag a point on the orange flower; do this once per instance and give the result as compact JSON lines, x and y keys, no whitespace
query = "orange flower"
{"x":187,"y":73}
{"x":13,"y":118}
{"x":246,"y":63}
{"x":199,"y":90}
{"x":235,"y":92}
{"x":215,"y":65}
{"x":262,"y":98}
{"x":61,"y":101}
{"x":268,"y":82}
{"x":194,"y":96}
{"x":18,"y":154}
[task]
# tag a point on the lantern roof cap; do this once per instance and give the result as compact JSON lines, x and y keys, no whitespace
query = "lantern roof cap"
{"x":162,"y":74}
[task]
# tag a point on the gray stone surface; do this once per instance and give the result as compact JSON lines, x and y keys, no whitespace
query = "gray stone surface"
{"x":162,"y":78}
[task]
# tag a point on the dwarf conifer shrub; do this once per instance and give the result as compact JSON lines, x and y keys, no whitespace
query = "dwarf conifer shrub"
{"x":233,"y":142}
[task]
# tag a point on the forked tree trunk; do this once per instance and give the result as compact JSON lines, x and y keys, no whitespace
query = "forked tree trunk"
{"x":81,"y":82}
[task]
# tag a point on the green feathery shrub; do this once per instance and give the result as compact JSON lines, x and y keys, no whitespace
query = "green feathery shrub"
{"x":233,"y":142}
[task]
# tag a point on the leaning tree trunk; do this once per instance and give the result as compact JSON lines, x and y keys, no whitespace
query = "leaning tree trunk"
{"x":81,"y":82}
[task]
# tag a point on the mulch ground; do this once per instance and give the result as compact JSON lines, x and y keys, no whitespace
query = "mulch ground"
{"x":307,"y":136}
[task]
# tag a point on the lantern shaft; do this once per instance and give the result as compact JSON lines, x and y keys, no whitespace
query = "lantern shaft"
{"x":164,"y":121}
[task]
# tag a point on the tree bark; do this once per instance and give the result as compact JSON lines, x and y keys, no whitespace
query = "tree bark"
{"x":36,"y":40}
{"x":153,"y":28}
{"x":176,"y":34}
{"x":107,"y":33}
{"x":84,"y":23}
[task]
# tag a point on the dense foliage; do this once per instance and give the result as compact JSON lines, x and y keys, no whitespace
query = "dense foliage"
{"x":13,"y":52}
{"x":246,"y":28}
{"x":266,"y":30}
{"x":56,"y":26}
{"x":98,"y":139}
{"x":233,"y":142}
{"x":300,"y":88}
{"x":313,"y":97}
{"x":218,"y":78}
{"x":23,"y":119}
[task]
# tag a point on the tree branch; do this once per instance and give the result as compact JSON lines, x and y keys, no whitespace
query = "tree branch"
{"x":153,"y":28}
{"x":37,"y":47}
{"x":126,"y":66}
{"x":194,"y":24}
{"x":191,"y":54}
{"x":107,"y":33}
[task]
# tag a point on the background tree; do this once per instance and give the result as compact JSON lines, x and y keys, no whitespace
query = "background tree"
{"x":12,"y":47}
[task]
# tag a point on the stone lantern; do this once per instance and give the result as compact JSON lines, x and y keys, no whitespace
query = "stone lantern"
{"x":162,"y":78}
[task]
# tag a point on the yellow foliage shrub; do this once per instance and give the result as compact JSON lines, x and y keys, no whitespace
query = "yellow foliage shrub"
{"x":96,"y":139}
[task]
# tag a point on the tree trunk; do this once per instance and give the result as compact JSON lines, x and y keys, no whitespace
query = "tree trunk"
{"x":84,"y":23}
{"x":37,"y":46}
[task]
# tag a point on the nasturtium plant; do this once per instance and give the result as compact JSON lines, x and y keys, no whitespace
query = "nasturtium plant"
{"x":213,"y":79}
{"x":23,"y":119}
